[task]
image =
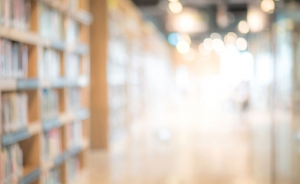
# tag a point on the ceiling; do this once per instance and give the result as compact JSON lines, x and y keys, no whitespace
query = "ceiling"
{"x":156,"y":11}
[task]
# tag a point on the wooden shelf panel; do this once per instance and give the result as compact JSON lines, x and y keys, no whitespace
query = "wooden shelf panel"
{"x":34,"y":39}
{"x":27,"y":84}
{"x":81,"y":16}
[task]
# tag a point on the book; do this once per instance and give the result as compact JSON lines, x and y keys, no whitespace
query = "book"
{"x":72,"y":168}
{"x":72,"y":65}
{"x":15,"y":14}
{"x":52,"y":145}
{"x":49,"y":103}
{"x":49,"y":67}
{"x":73,"y":99}
{"x":52,"y":177}
{"x":11,"y":164}
{"x":74,"y":134}
{"x":13,"y":59}
{"x":50,"y":22}
{"x":14,"y":109}
{"x":72,"y":31}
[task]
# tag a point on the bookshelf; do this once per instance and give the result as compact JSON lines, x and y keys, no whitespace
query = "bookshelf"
{"x":44,"y":90}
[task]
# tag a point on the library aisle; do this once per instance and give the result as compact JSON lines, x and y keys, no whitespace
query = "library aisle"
{"x":198,"y":145}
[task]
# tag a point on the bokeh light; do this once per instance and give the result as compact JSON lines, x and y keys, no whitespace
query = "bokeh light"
{"x":207,"y":44}
{"x":243,"y":27}
{"x":267,"y":6}
{"x":173,"y":39}
{"x":175,"y":7}
{"x":183,"y":47}
{"x":241,"y":44}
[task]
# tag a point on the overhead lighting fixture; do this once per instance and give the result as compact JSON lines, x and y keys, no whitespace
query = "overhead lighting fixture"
{"x":268,"y":6}
{"x":256,"y":19}
{"x":175,"y":7}
{"x":243,"y":27}
{"x":183,"y":47}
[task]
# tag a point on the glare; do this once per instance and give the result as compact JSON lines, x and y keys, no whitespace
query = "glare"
{"x":243,"y":27}
{"x":183,"y":47}
{"x":215,"y":36}
{"x":241,"y":44}
{"x":175,"y":6}
{"x":230,"y":38}
{"x":207,"y":44}
{"x":218,"y":45}
{"x":267,"y":6}
{"x":202,"y":50}
{"x":256,"y":20}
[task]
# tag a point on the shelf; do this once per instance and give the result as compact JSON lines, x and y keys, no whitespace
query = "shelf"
{"x":34,"y":39}
{"x":20,"y":135}
{"x":30,"y":175}
{"x":30,"y":84}
{"x":81,"y":16}
{"x":59,"y":160}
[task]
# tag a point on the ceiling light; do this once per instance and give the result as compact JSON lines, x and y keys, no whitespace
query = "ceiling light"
{"x":267,"y":6}
{"x":175,"y":7}
{"x":241,"y":44}
{"x":243,"y":27}
{"x":183,"y":47}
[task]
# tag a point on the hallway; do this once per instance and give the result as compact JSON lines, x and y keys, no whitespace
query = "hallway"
{"x":198,"y":145}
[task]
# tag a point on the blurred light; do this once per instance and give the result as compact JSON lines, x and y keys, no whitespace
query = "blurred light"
{"x":243,"y":27}
{"x":267,"y":6}
{"x":183,"y":47}
{"x":256,"y":19}
{"x":173,"y":38}
{"x":185,"y":37}
{"x":175,"y":7}
{"x":191,"y":55}
{"x":173,"y":0}
{"x":215,"y":36}
{"x":207,"y":44}
{"x":241,"y":44}
{"x":202,"y":50}
{"x":230,"y":38}
{"x":218,"y":45}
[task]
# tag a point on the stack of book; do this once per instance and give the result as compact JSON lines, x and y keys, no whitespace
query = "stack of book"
{"x":14,"y":111}
{"x":73,"y":99}
{"x":73,"y":4}
{"x":52,"y":145}
{"x":74,"y":135}
{"x":50,"y":65}
{"x":11,"y":164}
{"x":15,"y":14}
{"x":72,"y":168}
{"x":72,"y":31}
{"x":13,"y":59}
{"x":52,"y":177}
{"x":50,"y":22}
{"x":50,"y":107}
{"x":72,"y":65}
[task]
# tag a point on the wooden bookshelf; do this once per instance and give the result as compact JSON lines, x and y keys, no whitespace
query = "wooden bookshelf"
{"x":30,"y":138}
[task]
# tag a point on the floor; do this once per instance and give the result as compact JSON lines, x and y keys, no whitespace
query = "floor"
{"x":197,"y":144}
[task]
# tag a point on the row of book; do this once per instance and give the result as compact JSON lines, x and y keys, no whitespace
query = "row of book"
{"x":13,"y":59}
{"x":72,"y":65}
{"x":50,"y":105}
{"x":73,"y":99}
{"x":11,"y":164}
{"x":15,"y":14}
{"x":52,"y":177}
{"x":72,"y":30}
{"x":49,"y":68}
{"x":74,"y":134}
{"x":72,"y":168}
{"x":14,"y":108}
{"x":52,"y":144}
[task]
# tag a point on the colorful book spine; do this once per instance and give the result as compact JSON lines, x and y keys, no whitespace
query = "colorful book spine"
{"x":72,"y":65}
{"x":73,"y":99}
{"x":74,"y":135}
{"x":52,"y":177}
{"x":15,"y":14}
{"x":52,"y":145}
{"x":72,"y":31}
{"x":13,"y":60}
{"x":14,"y":111}
{"x":49,"y":67}
{"x":11,"y":165}
{"x":50,"y":107}
{"x":72,"y":168}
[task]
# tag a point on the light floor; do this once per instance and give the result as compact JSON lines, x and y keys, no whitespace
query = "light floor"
{"x":197,"y":145}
